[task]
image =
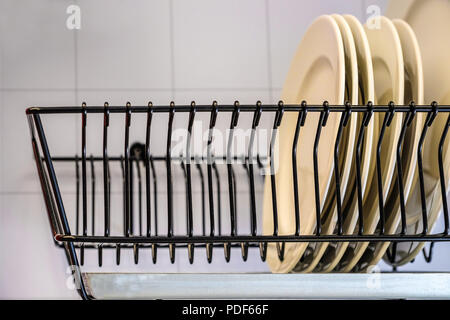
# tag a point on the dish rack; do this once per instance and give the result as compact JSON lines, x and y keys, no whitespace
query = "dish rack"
{"x":142,"y":233}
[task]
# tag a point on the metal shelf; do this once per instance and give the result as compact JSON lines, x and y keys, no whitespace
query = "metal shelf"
{"x":268,"y":286}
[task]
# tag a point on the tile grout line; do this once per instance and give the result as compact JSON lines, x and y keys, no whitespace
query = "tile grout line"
{"x":2,"y":136}
{"x":172,"y":50}
{"x":77,"y":90}
{"x":269,"y":55}
{"x":2,"y":108}
{"x":77,"y":138}
{"x":75,"y":39}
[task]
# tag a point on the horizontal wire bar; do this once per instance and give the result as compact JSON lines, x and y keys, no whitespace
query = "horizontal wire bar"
{"x":159,"y":158}
{"x":230,"y":108}
{"x":230,"y":239}
{"x":126,"y":246}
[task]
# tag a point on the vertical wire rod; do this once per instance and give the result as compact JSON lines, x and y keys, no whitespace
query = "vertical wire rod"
{"x":244,"y":246}
{"x":233,"y":179}
{"x":147,"y":178}
{"x":212,"y":123}
{"x":300,"y":123}
{"x":83,"y":175}
{"x":106,"y":177}
{"x":147,"y":169}
{"x":365,"y":122}
{"x":343,"y":122}
{"x":231,"y":189}
{"x":400,"y":173}
{"x":189,"y":181}
{"x":219,"y":211}
{"x":136,"y":245}
{"x":64,"y":223}
{"x":100,"y":255}
{"x":128,"y":218}
{"x":169,"y":182}
{"x":48,"y":199}
{"x":93,"y":208}
{"x":69,"y":247}
{"x":251,"y":180}
{"x":219,"y":202}
{"x":93,"y":195}
{"x":234,"y":121}
{"x":122,"y":167}
{"x":387,"y":119}
{"x":255,"y":123}
{"x":202,"y":183}
{"x":276,"y":124}
{"x":442,"y":176}
{"x":233,"y":175}
{"x":428,"y":256}
{"x":138,"y":170}
{"x":77,"y":200}
{"x":183,"y":168}
{"x":155,"y":213}
{"x":428,"y":121}
{"x":322,"y":123}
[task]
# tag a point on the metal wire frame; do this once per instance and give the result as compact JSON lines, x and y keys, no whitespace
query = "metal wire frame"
{"x":141,"y":154}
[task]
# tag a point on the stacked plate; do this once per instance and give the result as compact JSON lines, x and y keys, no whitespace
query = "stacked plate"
{"x":341,"y":60}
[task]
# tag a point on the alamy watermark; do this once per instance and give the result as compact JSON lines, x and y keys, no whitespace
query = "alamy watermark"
{"x":73,"y":21}
{"x":374,"y":279}
{"x":73,"y":281}
{"x":229,"y":146}
{"x":373,"y":17}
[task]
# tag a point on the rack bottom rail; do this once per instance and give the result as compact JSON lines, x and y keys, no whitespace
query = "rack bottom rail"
{"x":268,"y":286}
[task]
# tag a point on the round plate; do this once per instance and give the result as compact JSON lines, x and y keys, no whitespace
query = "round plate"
{"x":389,"y":86}
{"x":335,"y":251}
{"x":435,"y":49}
{"x":433,"y":41}
{"x":317,"y":73}
{"x":316,"y":250}
{"x":413,"y":92}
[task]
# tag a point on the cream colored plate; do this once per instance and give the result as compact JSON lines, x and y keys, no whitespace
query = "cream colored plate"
{"x":430,"y":21}
{"x":389,"y":86}
{"x":317,"y":73}
{"x":346,"y":150}
{"x":335,"y":251}
{"x":413,"y":92}
{"x":435,"y":49}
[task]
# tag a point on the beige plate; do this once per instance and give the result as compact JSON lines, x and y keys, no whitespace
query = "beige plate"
{"x":335,"y":251}
{"x":435,"y":49}
{"x":389,"y":86}
{"x":317,"y":73}
{"x":413,"y":92}
{"x":346,"y":150}
{"x":433,"y":41}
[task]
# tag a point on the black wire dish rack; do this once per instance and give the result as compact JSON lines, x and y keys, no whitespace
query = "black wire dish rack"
{"x":142,"y":233}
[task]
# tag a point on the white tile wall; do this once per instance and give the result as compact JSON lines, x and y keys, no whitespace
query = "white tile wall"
{"x":28,"y":257}
{"x":38,"y":51}
{"x":220,"y":44}
{"x":122,"y":46}
{"x":128,"y":51}
{"x":18,"y":168}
